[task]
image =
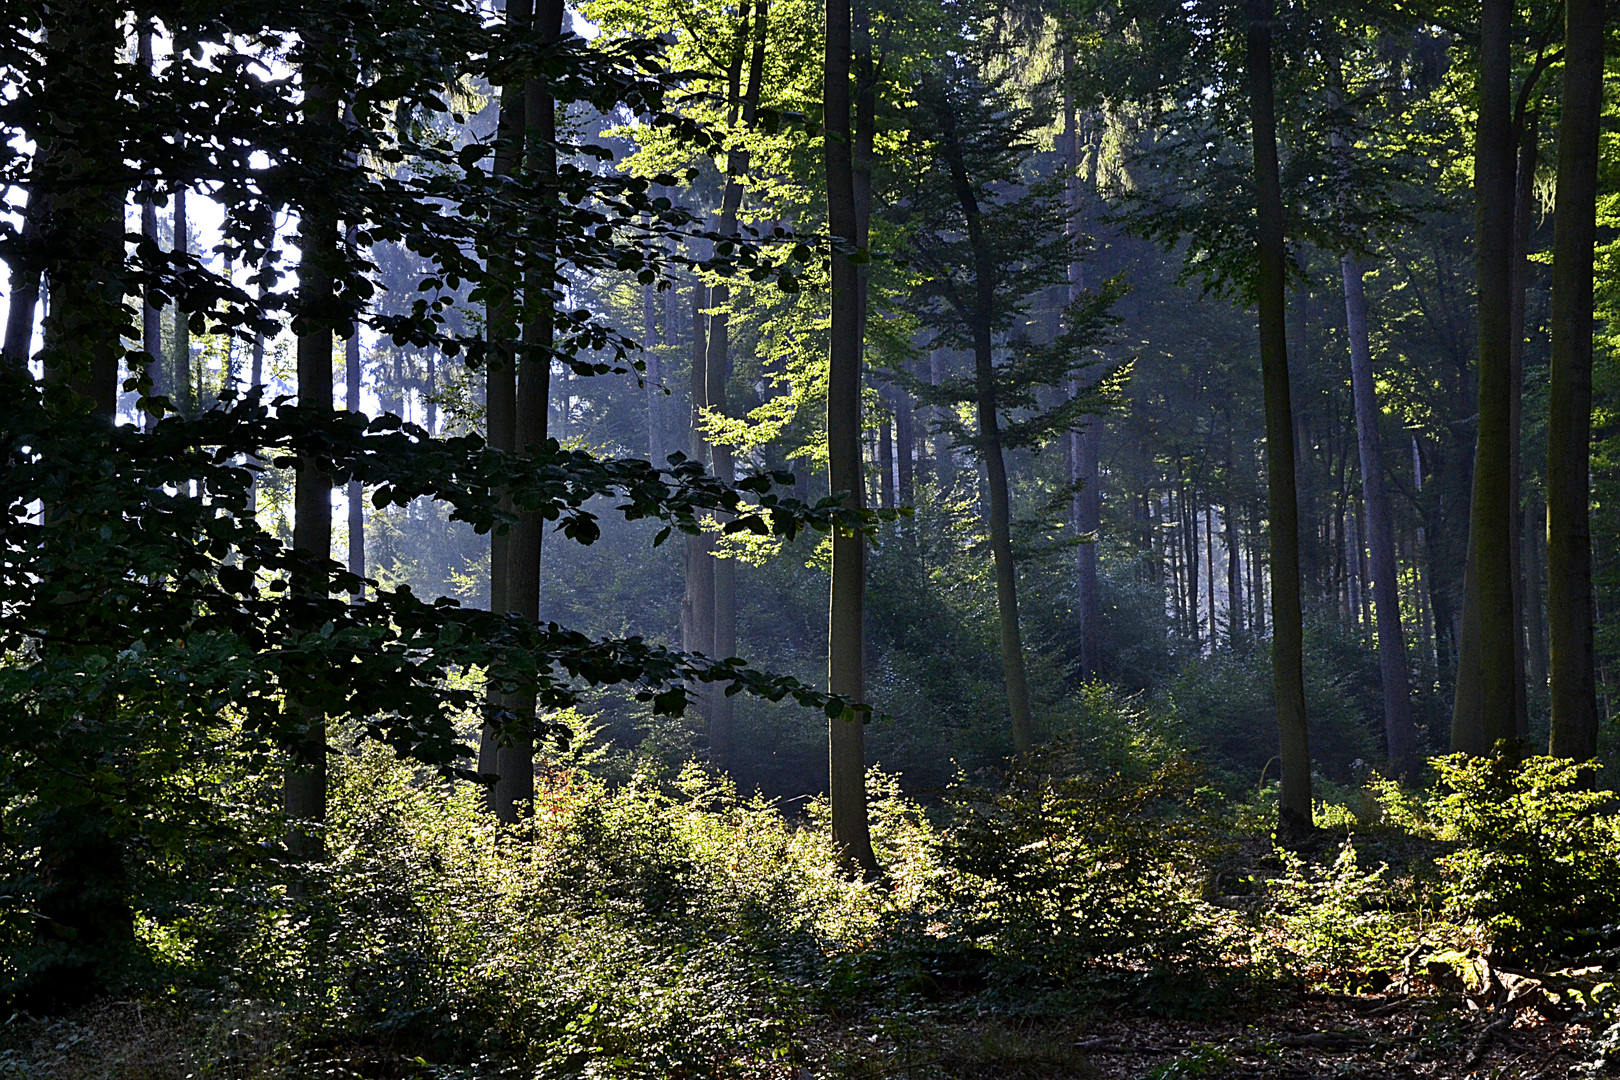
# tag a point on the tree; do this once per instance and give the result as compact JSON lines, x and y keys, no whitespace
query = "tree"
{"x":500,"y":396}
{"x":717,"y":360}
{"x":846,"y":742}
{"x":304,"y":797}
{"x":1569,"y":536}
{"x":148,"y":609}
{"x":1287,"y":626}
{"x":1400,"y":734}
{"x":1485,"y":707}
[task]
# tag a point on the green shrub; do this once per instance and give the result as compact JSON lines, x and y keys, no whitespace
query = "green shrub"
{"x":1066,"y":874}
{"x":1539,"y":858}
{"x":1336,"y":924}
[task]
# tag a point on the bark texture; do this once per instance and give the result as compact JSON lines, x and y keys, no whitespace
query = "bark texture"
{"x":1571,"y":677}
{"x":305,"y":785}
{"x":1483,"y":714}
{"x":846,"y":738}
{"x":1287,"y":627}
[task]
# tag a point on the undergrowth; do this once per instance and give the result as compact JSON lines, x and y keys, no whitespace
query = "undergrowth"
{"x":644,"y":923}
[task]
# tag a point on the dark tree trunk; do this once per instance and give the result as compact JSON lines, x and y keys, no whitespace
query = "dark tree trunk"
{"x":151,"y":317}
{"x":318,"y":239}
{"x":1234,"y":576}
{"x":1523,"y":211}
{"x":983,"y":320}
{"x":905,"y":439}
{"x":885,"y":456}
{"x":351,"y":402}
{"x":25,"y":275}
{"x":1483,"y":713}
{"x":654,"y":376}
{"x":1570,"y":616}
{"x":1287,"y":636}
{"x":184,"y":385}
{"x":846,"y":609}
{"x":513,"y":795}
{"x":500,"y":404}
{"x":717,"y":373}
{"x":1400,"y":732}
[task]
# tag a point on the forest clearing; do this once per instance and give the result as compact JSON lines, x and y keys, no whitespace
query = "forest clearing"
{"x":809,"y":540}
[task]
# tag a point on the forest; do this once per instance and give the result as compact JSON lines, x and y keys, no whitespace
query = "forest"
{"x":809,"y":539}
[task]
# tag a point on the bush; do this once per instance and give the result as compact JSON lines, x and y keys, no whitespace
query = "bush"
{"x":646,"y":930}
{"x":1067,"y":874}
{"x":1336,"y":924}
{"x":1539,"y":862}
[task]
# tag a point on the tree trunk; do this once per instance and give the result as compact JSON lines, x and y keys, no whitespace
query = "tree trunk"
{"x":885,"y":456}
{"x":1086,"y":511}
{"x":25,"y":276}
{"x":984,"y":372}
{"x":305,"y":783}
{"x":514,"y":789}
{"x":184,"y":386}
{"x":654,"y":377}
{"x":500,"y":404}
{"x":351,"y":402}
{"x":1483,"y":713}
{"x":1234,"y":577}
{"x":1572,"y":683}
{"x":717,"y":373}
{"x":1535,"y":614}
{"x":846,"y":609}
{"x":1287,"y":635}
{"x":1209,"y":559}
{"x":151,"y":317}
{"x":697,"y":607}
{"x":905,"y":438}
{"x":1400,"y":732}
{"x":1523,"y":210}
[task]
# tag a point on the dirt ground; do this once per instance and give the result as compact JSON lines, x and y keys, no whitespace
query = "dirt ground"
{"x":1323,"y":1037}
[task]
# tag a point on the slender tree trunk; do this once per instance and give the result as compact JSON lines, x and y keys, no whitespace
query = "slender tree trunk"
{"x":500,"y":405}
{"x":905,"y":425}
{"x":697,"y":608}
{"x":151,"y":317}
{"x":1087,"y":509}
{"x":1523,"y":210}
{"x":1535,"y":615}
{"x":885,"y":458}
{"x":351,"y":402}
{"x":1000,"y":516}
{"x":305,"y":784}
{"x":185,"y":387}
{"x":1483,"y":713}
{"x":846,"y":609}
{"x":1400,"y":732}
{"x":654,"y":377}
{"x":1570,"y":615}
{"x":1234,"y":576}
{"x":1287,"y":635}
{"x":717,"y":374}
{"x":1189,"y":540}
{"x":25,"y":278}
{"x":1209,"y":559}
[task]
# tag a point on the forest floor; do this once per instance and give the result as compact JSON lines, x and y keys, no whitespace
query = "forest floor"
{"x":1320,"y":1037}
